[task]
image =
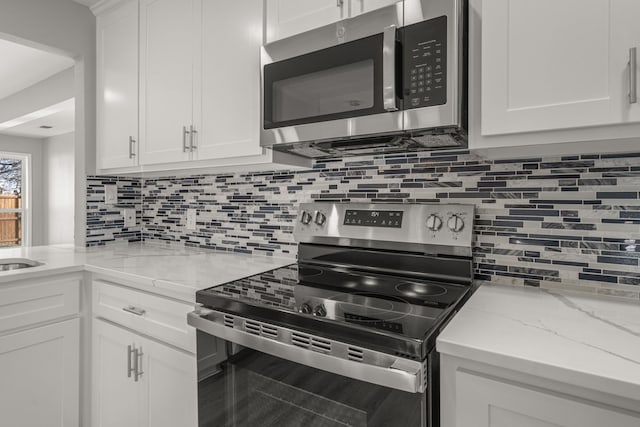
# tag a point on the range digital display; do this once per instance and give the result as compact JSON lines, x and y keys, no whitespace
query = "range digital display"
{"x":366,"y":218}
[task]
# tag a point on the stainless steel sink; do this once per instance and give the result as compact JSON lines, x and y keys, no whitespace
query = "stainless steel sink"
{"x":8,"y":264}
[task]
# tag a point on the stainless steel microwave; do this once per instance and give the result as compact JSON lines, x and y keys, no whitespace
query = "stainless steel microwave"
{"x":394,"y":79}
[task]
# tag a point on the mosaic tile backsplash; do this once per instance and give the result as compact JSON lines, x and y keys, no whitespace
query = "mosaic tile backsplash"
{"x":105,"y":223}
{"x":569,"y":222}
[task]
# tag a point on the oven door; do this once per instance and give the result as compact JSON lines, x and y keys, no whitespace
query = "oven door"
{"x":345,"y":90}
{"x":249,"y":388}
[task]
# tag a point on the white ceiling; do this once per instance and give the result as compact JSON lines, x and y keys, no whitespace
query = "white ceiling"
{"x":60,"y":117}
{"x":23,"y":66}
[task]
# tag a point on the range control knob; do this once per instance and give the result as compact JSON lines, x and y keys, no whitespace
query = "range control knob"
{"x":320,"y":218}
{"x":320,"y":311}
{"x":434,"y":223}
{"x":306,"y":217}
{"x":455,"y":223}
{"x":305,"y":308}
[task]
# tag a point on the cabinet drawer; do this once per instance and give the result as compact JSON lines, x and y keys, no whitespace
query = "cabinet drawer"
{"x":24,"y":303}
{"x":159,"y":317}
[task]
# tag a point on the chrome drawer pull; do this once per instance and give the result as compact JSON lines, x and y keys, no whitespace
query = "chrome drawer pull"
{"x":135,"y":310}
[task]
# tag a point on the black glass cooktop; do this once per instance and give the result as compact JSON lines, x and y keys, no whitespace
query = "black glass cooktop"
{"x":340,"y":303}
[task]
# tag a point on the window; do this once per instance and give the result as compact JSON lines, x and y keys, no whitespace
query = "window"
{"x":14,"y":214}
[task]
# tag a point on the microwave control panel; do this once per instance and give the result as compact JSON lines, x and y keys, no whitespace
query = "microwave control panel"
{"x":425,"y":63}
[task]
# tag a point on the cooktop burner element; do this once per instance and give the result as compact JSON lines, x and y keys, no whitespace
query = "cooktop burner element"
{"x":417,"y":290}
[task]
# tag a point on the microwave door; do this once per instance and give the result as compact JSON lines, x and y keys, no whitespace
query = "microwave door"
{"x":338,"y":92}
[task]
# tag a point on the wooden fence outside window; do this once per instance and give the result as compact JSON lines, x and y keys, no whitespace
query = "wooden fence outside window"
{"x":10,"y":222}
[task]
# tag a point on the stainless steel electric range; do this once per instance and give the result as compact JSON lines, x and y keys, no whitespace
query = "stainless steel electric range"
{"x":345,"y":336}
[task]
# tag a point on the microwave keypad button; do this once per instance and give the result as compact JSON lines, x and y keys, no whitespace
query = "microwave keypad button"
{"x":430,"y":38}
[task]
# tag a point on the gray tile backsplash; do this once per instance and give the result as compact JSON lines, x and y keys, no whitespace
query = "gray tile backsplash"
{"x":569,"y":222}
{"x":105,"y":223}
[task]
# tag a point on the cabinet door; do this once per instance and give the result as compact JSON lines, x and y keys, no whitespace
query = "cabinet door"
{"x":358,"y":7}
{"x":117,"y":108}
{"x":552,"y":76}
{"x":39,"y":371}
{"x":485,"y":402}
{"x":116,"y":397}
{"x":285,"y":18}
{"x":168,"y":31}
{"x":228,"y":121}
{"x":170,"y":384}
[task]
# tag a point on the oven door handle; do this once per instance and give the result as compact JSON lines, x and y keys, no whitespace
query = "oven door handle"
{"x":384,"y":369}
{"x":389,"y":68}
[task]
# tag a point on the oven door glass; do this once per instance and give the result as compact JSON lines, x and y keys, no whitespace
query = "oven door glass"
{"x":251,"y":389}
{"x":338,"y":82}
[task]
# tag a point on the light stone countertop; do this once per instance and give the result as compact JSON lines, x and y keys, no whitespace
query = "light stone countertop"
{"x":173,"y":271}
{"x":579,"y":339}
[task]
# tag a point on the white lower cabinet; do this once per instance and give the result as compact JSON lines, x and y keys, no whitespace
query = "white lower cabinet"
{"x":487,"y":402}
{"x":39,"y":376}
{"x":116,"y":396}
{"x":140,"y":382}
{"x":170,"y":386}
{"x":478,"y":395}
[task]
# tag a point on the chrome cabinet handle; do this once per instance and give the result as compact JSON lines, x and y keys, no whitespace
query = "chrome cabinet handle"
{"x":137,"y":364}
{"x":389,"y":68}
{"x":633,"y":79}
{"x":340,"y":3}
{"x":194,"y":132}
{"x":132,"y":144}
{"x":135,"y":310}
{"x":130,"y":351}
{"x":185,"y":133}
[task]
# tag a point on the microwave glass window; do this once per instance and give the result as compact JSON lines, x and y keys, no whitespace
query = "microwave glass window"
{"x":336,"y":90}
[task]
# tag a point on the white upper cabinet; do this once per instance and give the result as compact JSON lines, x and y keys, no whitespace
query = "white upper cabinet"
{"x":285,"y":18}
{"x":168,"y":34}
{"x":117,"y":82}
{"x":358,"y":7}
{"x":550,"y":64}
{"x":227,"y":103}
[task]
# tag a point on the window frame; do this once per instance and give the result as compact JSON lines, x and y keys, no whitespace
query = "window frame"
{"x":25,"y":210}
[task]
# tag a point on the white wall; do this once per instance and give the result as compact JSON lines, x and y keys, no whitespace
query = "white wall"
{"x":58,"y":189}
{"x":67,"y":28}
{"x":18,"y":144}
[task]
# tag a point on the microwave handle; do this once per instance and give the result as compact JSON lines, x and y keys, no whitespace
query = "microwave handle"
{"x":389,"y":68}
